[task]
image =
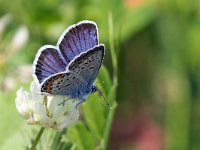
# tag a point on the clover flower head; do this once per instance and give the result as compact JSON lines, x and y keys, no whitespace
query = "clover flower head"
{"x":49,"y":111}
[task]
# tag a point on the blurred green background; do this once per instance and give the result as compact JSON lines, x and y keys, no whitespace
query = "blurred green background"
{"x":158,"y":44}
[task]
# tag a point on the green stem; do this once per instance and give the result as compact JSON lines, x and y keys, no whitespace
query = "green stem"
{"x":111,"y":40}
{"x":37,"y":139}
{"x":115,"y":81}
{"x":108,"y":125}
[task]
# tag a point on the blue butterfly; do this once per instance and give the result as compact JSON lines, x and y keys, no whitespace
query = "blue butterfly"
{"x":70,"y":67}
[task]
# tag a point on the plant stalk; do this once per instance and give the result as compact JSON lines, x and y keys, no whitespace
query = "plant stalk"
{"x":37,"y":139}
{"x":112,"y":47}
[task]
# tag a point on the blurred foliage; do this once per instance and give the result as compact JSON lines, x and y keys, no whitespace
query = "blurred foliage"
{"x":158,"y":45}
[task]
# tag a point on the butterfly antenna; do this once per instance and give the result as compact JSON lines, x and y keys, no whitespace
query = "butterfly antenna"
{"x":101,"y":94}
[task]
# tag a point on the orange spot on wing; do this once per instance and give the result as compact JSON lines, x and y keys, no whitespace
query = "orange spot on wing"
{"x":51,"y":80}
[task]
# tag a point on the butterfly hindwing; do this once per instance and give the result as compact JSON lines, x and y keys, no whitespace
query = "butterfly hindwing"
{"x":65,"y":83}
{"x":87,"y":64}
{"x":77,"y":39}
{"x":48,"y":61}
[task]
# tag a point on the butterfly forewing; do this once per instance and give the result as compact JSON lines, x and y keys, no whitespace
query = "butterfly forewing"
{"x":77,"y":39}
{"x":48,"y":61}
{"x":87,"y":64}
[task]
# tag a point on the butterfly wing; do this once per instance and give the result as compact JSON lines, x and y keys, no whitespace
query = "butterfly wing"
{"x":78,"y":38}
{"x":75,"y":40}
{"x":87,"y":65}
{"x":66,"y":83}
{"x":77,"y":81}
{"x":48,"y":61}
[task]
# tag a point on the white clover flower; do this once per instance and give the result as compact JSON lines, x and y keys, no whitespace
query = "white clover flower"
{"x":47,"y":111}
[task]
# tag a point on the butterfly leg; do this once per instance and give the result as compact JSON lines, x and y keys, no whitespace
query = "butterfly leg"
{"x":82,"y":100}
{"x":64,"y":102}
{"x":95,"y":89}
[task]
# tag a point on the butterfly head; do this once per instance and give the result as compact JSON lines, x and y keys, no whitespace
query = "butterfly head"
{"x":93,"y":89}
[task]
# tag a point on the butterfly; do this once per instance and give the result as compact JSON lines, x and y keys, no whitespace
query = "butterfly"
{"x":71,"y":67}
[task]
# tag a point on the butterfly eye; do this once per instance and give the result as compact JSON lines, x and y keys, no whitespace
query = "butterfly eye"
{"x":93,"y":89}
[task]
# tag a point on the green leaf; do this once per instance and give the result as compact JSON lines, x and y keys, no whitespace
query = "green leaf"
{"x":94,"y":115}
{"x":112,"y":93}
{"x":73,"y":147}
{"x":81,"y":137}
{"x":58,"y":143}
{"x":104,"y":79}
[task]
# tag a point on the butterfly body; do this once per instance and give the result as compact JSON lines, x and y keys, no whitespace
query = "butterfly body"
{"x":70,"y":68}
